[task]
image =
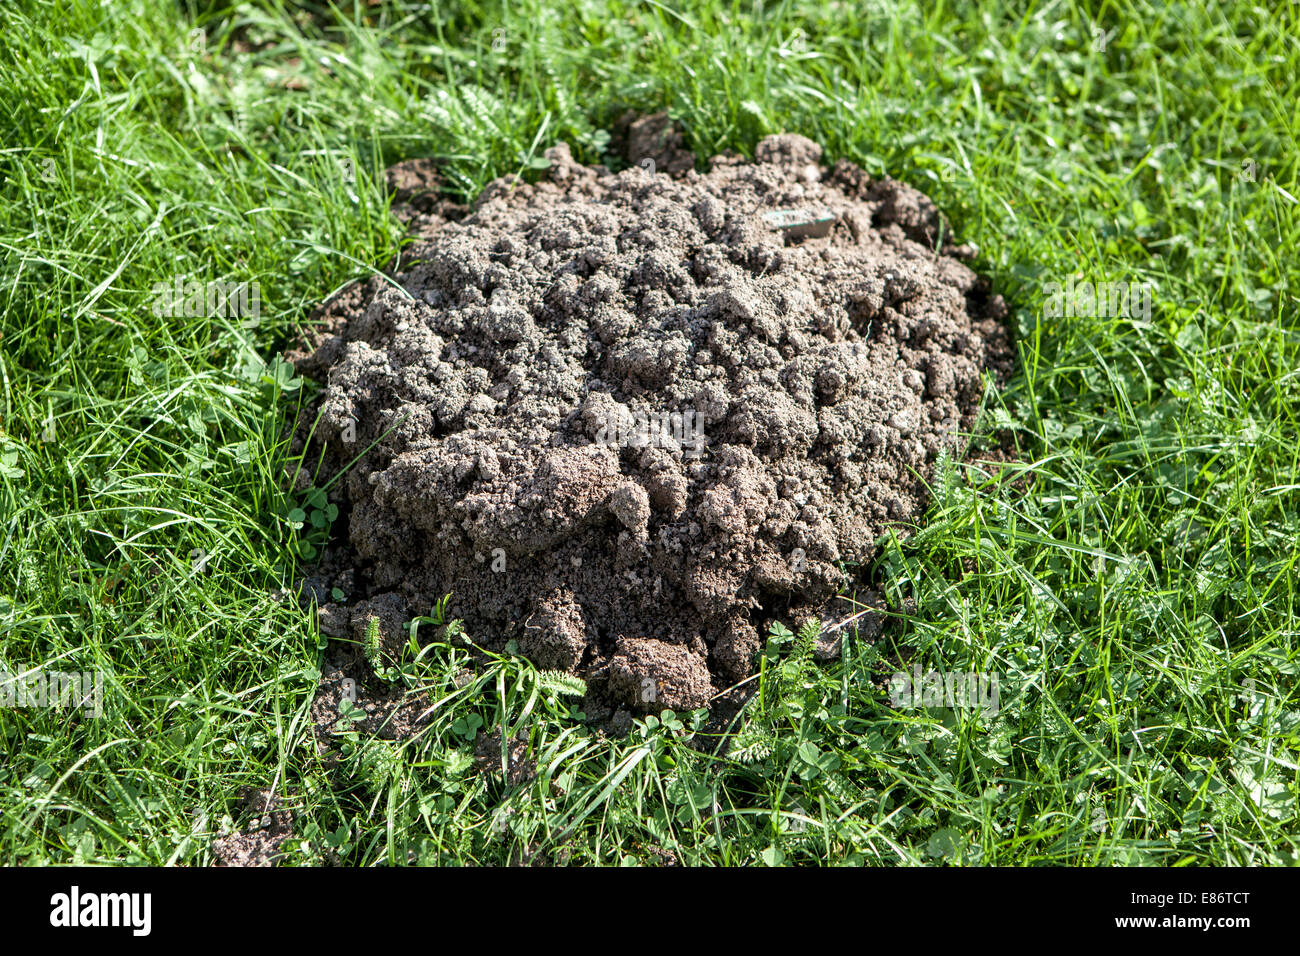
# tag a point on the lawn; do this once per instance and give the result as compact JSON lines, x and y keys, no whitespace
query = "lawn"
{"x":1129,"y":575}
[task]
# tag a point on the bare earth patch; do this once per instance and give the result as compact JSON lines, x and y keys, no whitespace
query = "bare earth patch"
{"x":258,"y":843}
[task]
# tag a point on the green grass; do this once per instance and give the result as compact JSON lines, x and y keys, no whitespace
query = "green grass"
{"x":1131,"y":578}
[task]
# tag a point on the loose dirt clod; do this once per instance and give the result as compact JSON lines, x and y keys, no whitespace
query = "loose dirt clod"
{"x":617,"y":416}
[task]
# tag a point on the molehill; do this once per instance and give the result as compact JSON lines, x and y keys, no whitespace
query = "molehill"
{"x":622,"y":417}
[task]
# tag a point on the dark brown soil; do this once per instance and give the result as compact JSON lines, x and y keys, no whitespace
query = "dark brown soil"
{"x":508,"y":398}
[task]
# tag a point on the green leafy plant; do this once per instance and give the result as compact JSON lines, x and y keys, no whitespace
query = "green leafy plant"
{"x":309,"y":522}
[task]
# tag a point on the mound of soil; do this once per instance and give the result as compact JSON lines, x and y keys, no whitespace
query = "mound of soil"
{"x":619,"y":416}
